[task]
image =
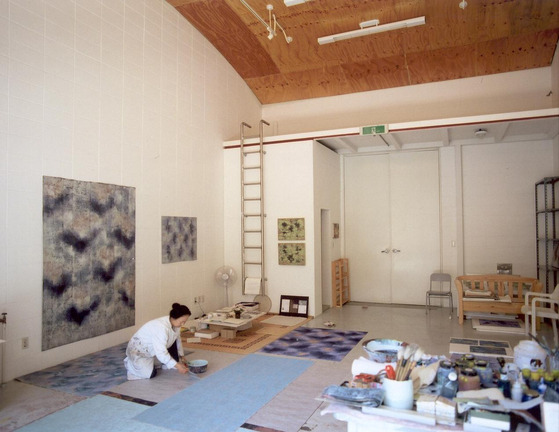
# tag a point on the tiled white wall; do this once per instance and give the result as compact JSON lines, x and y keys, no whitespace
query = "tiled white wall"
{"x":116,"y":91}
{"x":499,"y":211}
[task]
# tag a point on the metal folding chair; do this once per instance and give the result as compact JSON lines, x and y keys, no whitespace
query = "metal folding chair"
{"x":442,"y":281}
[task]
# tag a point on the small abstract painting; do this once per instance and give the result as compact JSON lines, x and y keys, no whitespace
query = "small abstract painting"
{"x":89,"y":279}
{"x":291,"y":229}
{"x":178,"y":239}
{"x":291,"y":254}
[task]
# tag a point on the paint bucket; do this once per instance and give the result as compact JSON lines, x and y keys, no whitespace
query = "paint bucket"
{"x":528,"y":354}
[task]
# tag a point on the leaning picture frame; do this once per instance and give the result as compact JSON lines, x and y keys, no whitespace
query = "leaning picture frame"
{"x":297,"y":306}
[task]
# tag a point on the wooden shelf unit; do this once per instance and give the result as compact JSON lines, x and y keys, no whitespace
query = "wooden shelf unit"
{"x":340,"y":282}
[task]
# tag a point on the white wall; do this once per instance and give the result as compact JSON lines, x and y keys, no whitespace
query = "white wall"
{"x":327,"y":196}
{"x":289,"y":193}
{"x":499,"y":213}
{"x":117,"y":91}
{"x":449,"y":213}
{"x":490,"y":94}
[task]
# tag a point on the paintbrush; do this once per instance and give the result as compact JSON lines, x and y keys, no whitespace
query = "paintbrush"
{"x":400,"y":358}
{"x":409,"y":362}
{"x":416,"y":357}
{"x":408,"y":351}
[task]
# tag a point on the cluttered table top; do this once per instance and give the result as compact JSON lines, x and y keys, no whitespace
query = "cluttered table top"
{"x":404,"y":388}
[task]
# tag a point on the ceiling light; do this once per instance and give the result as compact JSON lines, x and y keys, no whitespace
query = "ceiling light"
{"x":463,"y":4}
{"x":272,"y":23}
{"x":480,"y":133}
{"x":294,"y":2}
{"x":371,"y":29}
{"x":374,"y":22}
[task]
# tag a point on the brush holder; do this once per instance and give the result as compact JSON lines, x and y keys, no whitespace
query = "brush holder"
{"x":398,"y":394}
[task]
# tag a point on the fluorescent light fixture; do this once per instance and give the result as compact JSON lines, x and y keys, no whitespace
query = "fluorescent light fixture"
{"x":294,"y":2}
{"x":369,"y":28}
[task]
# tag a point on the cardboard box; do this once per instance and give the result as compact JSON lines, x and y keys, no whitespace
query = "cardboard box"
{"x":228,"y":333}
{"x":206,"y":334}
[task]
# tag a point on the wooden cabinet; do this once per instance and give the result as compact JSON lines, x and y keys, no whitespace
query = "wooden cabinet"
{"x":340,"y":282}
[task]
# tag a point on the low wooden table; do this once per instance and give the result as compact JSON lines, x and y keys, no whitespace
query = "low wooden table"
{"x":228,"y":327}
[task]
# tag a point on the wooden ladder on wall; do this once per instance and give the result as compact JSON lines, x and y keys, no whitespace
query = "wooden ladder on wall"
{"x":252,"y":212}
{"x":340,"y":282}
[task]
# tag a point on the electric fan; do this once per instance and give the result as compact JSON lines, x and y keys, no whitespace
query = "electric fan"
{"x":226,"y":276}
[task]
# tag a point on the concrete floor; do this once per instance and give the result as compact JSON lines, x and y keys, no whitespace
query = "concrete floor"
{"x":295,"y":408}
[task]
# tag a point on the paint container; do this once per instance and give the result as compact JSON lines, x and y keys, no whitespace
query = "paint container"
{"x":504,"y":385}
{"x":485,"y":373}
{"x":445,"y":367}
{"x":529,"y":395}
{"x":450,"y":386}
{"x":468,"y":380}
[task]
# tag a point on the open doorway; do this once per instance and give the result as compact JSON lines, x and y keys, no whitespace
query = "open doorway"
{"x":326,"y":258}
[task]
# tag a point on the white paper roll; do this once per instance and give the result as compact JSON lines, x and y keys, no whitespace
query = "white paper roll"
{"x":252,"y":286}
{"x":363,"y":365}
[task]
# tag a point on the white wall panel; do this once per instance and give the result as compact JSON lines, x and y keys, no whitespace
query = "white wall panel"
{"x":499,"y":215}
{"x":98,"y":91}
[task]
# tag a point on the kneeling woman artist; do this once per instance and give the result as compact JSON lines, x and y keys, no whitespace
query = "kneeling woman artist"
{"x":158,"y":338}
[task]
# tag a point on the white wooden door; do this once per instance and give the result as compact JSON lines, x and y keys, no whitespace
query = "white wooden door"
{"x":392,"y":225}
{"x":367,"y":227}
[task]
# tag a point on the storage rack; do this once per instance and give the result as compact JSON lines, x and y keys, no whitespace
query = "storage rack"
{"x":340,"y":282}
{"x":547,"y":238}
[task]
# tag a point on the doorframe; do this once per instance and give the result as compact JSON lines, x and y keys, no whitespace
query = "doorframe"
{"x":325,"y":260}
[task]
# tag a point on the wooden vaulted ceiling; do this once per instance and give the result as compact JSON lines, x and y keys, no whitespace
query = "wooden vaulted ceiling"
{"x":486,"y":37}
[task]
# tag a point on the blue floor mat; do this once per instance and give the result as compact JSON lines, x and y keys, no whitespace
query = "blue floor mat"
{"x":223,"y":401}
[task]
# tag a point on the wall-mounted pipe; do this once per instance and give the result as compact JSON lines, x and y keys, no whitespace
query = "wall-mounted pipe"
{"x":3,"y":321}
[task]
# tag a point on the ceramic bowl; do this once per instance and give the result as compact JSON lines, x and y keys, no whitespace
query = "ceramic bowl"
{"x":197,"y":366}
{"x":383,"y":350}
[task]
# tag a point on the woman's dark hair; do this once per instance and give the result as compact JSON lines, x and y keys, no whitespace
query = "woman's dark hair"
{"x":178,"y":311}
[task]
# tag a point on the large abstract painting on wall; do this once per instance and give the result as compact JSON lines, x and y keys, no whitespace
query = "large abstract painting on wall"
{"x":88,"y":259}
{"x":178,"y":239}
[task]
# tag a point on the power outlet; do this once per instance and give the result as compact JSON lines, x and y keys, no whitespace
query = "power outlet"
{"x":24,"y":343}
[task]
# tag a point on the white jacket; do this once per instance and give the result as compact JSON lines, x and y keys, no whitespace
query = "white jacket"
{"x":150,"y":341}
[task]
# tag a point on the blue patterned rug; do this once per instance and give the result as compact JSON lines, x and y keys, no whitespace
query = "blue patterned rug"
{"x":316,"y":343}
{"x":85,"y":376}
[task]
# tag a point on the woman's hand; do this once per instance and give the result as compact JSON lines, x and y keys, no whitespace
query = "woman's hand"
{"x":181,"y":367}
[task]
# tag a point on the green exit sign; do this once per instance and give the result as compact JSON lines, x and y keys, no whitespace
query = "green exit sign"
{"x":374,"y":130}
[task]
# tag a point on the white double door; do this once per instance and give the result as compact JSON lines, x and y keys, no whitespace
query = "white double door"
{"x":392,"y":225}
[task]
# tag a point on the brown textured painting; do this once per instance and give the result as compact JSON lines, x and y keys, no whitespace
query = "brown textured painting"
{"x":89,"y":238}
{"x":291,"y":229}
{"x":291,"y":254}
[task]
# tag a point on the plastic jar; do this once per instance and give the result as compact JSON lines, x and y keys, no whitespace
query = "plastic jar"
{"x":450,"y":386}
{"x":485,"y":373}
{"x":445,"y":367}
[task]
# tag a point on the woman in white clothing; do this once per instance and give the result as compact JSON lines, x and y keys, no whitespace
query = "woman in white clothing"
{"x":158,"y":338}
